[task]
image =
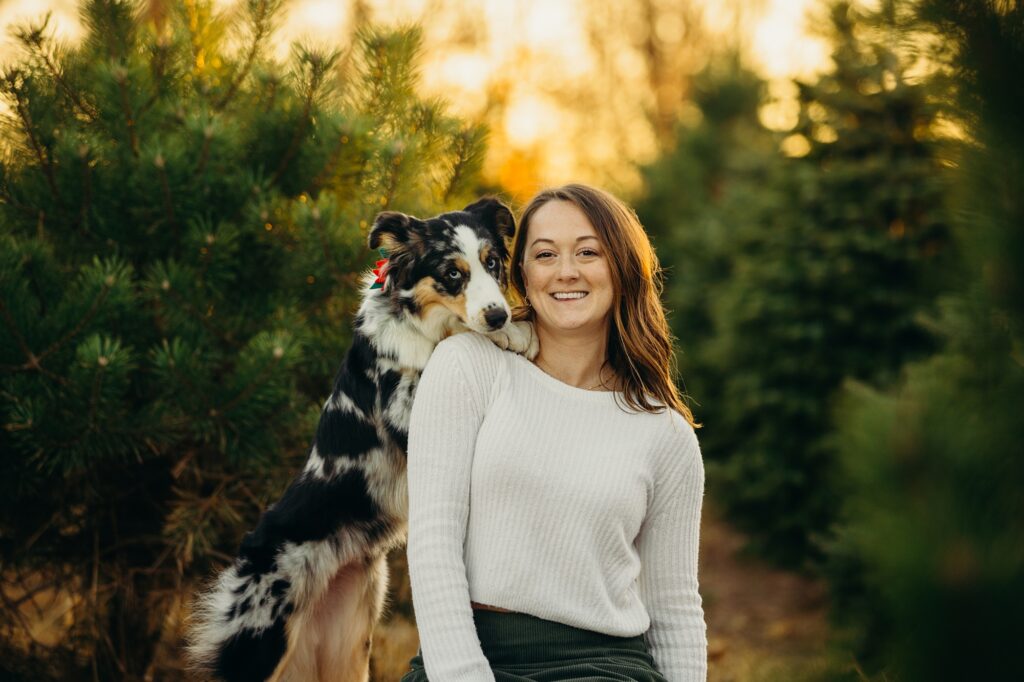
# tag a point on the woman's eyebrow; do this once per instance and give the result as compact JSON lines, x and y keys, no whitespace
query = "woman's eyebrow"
{"x":552,"y":241}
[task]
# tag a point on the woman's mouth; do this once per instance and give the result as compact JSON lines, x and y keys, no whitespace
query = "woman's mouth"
{"x":569,"y":295}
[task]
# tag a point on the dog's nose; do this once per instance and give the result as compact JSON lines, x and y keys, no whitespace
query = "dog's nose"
{"x":495,"y":317}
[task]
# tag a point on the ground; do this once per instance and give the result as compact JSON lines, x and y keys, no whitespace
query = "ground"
{"x":763,"y":623}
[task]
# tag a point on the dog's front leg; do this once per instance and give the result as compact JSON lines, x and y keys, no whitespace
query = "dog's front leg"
{"x":519,"y":337}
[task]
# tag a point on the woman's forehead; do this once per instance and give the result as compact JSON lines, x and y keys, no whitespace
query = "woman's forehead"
{"x":559,"y":221}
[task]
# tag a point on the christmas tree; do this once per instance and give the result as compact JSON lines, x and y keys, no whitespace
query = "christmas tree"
{"x":935,"y":514}
{"x":696,"y":197}
{"x":795,"y":270}
{"x":182,"y":230}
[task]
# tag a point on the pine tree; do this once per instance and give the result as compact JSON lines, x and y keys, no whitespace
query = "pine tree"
{"x":935,"y":514}
{"x":800,"y":272}
{"x":697,"y":196}
{"x":182,"y":229}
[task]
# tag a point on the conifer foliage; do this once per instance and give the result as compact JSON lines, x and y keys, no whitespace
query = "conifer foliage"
{"x":828,"y":283}
{"x":935,"y":515}
{"x":182,"y":230}
{"x":798,"y":269}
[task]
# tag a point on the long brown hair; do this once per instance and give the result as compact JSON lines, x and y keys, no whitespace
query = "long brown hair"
{"x":639,"y":342}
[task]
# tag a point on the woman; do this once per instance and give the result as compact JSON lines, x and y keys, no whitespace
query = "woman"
{"x":554,"y":506}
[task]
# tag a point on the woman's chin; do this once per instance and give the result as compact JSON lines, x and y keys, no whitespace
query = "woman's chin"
{"x":574,"y":326}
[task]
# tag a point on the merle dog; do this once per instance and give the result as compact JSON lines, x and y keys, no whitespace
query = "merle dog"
{"x":308,"y":585}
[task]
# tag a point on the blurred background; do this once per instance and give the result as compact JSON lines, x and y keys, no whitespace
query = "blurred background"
{"x":835,"y":190}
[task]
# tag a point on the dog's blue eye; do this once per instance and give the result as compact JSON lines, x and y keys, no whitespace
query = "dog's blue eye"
{"x":491,"y":263}
{"x":454,"y":274}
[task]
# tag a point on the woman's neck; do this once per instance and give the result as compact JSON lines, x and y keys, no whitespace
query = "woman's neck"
{"x":576,"y":360}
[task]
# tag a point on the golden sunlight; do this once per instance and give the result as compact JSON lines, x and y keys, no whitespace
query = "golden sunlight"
{"x":566,"y":86}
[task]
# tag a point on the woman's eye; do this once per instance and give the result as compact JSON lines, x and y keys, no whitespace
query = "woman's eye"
{"x":544,"y":254}
{"x":588,"y":252}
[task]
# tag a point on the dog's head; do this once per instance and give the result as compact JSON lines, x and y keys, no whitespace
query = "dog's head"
{"x":455,"y":262}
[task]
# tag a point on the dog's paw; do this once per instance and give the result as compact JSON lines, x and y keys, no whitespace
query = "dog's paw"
{"x":518,"y":337}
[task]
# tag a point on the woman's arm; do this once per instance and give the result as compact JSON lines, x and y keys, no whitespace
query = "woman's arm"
{"x":446,"y":416}
{"x":668,"y":546}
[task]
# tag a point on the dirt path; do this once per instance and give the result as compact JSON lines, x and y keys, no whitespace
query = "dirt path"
{"x":763,"y":623}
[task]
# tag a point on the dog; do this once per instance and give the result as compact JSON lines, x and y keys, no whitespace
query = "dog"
{"x":301,"y":599}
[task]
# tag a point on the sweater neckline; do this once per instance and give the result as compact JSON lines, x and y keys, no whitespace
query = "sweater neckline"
{"x":567,"y":389}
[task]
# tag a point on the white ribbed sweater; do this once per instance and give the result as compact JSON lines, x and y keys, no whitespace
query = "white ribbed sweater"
{"x":536,"y":496}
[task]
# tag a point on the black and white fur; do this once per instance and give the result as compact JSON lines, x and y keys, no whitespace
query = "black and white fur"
{"x":301,"y":599}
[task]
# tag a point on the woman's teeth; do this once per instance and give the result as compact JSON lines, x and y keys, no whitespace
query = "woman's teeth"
{"x":569,"y":296}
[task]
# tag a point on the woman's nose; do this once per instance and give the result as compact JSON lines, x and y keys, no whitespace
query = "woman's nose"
{"x":567,"y":269}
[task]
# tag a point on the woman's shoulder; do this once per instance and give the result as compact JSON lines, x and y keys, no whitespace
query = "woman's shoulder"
{"x":469,"y":342}
{"x":678,"y":437}
{"x":470,"y":346}
{"x":474,"y":353}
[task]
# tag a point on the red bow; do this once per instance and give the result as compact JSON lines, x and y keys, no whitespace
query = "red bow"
{"x":381,"y":270}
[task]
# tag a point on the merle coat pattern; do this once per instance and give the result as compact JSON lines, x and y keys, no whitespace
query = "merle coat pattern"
{"x":308,"y":584}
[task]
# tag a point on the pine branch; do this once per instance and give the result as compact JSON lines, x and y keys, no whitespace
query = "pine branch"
{"x":464,"y":161}
{"x":157,"y":69}
{"x":270,"y":98}
{"x":91,"y":313}
{"x":191,"y":309}
{"x":393,"y":180}
{"x":94,"y":395}
{"x":318,"y":65}
{"x":11,"y":201}
{"x":205,"y":153}
{"x":293,"y":144}
{"x":325,"y":245}
{"x":453,"y":182}
{"x":262,"y":27}
{"x":13,"y":81}
{"x":121,"y":76}
{"x":249,"y":388}
{"x":332,"y":162}
{"x":31,"y":361}
{"x":34,"y":41}
{"x":83,"y":214}
{"x":165,"y":186}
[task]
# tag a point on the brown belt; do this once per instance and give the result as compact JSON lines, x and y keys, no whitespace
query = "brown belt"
{"x":488,"y":607}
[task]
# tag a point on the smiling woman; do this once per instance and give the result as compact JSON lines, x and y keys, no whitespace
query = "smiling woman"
{"x":581,"y":239}
{"x":554,"y":506}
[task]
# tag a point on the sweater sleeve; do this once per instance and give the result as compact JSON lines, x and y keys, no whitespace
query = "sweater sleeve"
{"x":668,"y":547}
{"x":446,"y":417}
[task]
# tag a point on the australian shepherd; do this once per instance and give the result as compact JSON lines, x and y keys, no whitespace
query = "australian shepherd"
{"x":301,"y":599}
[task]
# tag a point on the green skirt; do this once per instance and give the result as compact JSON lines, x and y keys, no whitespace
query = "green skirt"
{"x":522,"y":647}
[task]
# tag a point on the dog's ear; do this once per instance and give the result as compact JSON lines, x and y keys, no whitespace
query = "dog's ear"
{"x":392,"y":231}
{"x":493,"y":212}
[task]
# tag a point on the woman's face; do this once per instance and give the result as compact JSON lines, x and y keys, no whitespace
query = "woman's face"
{"x":565,"y":267}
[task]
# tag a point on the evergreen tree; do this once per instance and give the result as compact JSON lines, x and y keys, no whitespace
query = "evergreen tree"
{"x":182,"y":230}
{"x":697,"y":196}
{"x":828,"y":281}
{"x":788,"y":274}
{"x":935,"y":514}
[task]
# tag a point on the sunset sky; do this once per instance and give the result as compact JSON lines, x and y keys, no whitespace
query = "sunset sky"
{"x":519,"y":52}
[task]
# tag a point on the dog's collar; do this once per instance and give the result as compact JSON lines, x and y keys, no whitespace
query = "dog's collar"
{"x":380,"y":270}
